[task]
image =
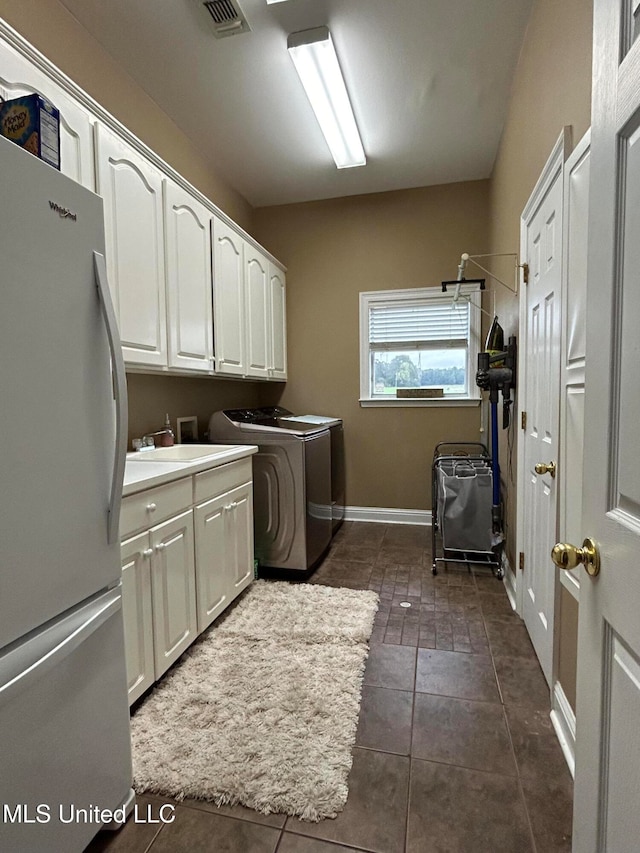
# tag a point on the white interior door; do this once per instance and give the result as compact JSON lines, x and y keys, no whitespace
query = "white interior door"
{"x":542,"y":233}
{"x":573,"y":351}
{"x":606,"y":815}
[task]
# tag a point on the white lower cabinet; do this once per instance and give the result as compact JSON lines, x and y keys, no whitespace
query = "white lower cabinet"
{"x":182,"y":565}
{"x":224,"y":551}
{"x":138,"y":614}
{"x":173,"y":589}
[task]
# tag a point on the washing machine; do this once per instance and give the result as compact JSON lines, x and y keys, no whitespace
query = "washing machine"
{"x":291,"y":483}
{"x":336,"y":434}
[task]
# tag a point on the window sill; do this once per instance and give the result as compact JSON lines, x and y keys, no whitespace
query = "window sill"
{"x":419,"y":402}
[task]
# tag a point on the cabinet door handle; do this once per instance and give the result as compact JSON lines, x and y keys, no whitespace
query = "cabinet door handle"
{"x":147,"y":552}
{"x":151,"y":507}
{"x":228,"y":507}
{"x":160,"y":546}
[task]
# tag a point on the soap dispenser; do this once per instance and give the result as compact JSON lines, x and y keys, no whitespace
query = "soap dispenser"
{"x":166,"y":436}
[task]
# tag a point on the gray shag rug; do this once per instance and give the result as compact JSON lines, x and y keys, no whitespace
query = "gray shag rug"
{"x":263,"y":709}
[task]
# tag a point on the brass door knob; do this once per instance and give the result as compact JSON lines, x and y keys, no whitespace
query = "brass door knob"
{"x":567,"y":556}
{"x":546,"y":468}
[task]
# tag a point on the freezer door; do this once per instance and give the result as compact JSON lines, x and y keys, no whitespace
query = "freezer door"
{"x":58,"y":414}
{"x":65,"y":730}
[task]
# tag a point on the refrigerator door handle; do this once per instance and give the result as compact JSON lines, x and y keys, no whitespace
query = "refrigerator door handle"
{"x":120,"y":387}
{"x":27,"y":663}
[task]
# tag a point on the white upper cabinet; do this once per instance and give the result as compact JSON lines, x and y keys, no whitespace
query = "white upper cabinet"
{"x":248,"y":308}
{"x":228,"y":300}
{"x":256,"y":268}
{"x":131,"y":188}
{"x":19,"y":77}
{"x":277,"y":324}
{"x":189,"y":293}
{"x":169,"y":256}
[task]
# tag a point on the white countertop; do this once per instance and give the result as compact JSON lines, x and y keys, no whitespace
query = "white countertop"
{"x":146,"y":469}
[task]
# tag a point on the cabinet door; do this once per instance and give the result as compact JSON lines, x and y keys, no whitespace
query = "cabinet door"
{"x":212,"y":523}
{"x":19,"y":76}
{"x":277,"y":324}
{"x":224,"y":551}
{"x":189,"y":293}
{"x":137,"y":613}
{"x":132,"y":192}
{"x":257,"y":313}
{"x":241,"y":541}
{"x":173,"y":589}
{"x":228,"y":300}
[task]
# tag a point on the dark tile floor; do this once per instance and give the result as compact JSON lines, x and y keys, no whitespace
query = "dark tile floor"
{"x":455,"y":751}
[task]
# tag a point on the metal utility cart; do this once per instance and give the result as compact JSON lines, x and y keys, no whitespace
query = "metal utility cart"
{"x":461,"y":501}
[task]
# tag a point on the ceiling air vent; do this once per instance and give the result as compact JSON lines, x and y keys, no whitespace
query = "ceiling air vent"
{"x":227,"y":16}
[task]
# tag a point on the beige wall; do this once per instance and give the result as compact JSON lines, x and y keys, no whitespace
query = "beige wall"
{"x":150,"y":397}
{"x":551,"y":88}
{"x":334,"y":250}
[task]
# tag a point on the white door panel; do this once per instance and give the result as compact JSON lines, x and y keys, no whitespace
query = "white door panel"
{"x":606,"y":814}
{"x":542,"y":343}
{"x":577,"y":169}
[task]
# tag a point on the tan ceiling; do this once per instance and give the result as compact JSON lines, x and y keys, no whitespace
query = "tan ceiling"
{"x":429,"y":81}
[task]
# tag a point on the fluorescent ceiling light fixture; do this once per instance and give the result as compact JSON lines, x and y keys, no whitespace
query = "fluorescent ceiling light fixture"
{"x":317,"y":65}
{"x":269,"y":2}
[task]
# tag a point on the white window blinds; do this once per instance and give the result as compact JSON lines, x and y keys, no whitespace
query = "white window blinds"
{"x":419,"y":324}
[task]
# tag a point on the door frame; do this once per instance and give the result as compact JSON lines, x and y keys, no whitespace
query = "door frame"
{"x":553,"y":169}
{"x":562,"y":714}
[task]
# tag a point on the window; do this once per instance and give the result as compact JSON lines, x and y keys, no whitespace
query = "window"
{"x":419,"y":339}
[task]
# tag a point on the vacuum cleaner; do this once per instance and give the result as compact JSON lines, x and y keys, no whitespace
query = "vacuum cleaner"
{"x":497,"y":374}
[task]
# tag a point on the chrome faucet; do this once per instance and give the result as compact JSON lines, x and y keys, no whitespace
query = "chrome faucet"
{"x":148,"y":440}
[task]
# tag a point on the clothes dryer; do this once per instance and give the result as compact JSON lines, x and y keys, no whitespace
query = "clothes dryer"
{"x":336,"y":433}
{"x":291,"y":483}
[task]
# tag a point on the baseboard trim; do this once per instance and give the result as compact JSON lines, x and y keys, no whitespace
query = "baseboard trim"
{"x":564,"y":723}
{"x":386,"y":515}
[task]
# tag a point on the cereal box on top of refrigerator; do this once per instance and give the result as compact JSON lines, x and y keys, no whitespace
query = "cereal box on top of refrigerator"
{"x":33,"y":123}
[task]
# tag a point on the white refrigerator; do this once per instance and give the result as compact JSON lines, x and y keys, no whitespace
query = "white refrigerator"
{"x":65,"y":755}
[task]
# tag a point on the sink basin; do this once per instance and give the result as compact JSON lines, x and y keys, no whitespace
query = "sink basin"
{"x":182,"y":452}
